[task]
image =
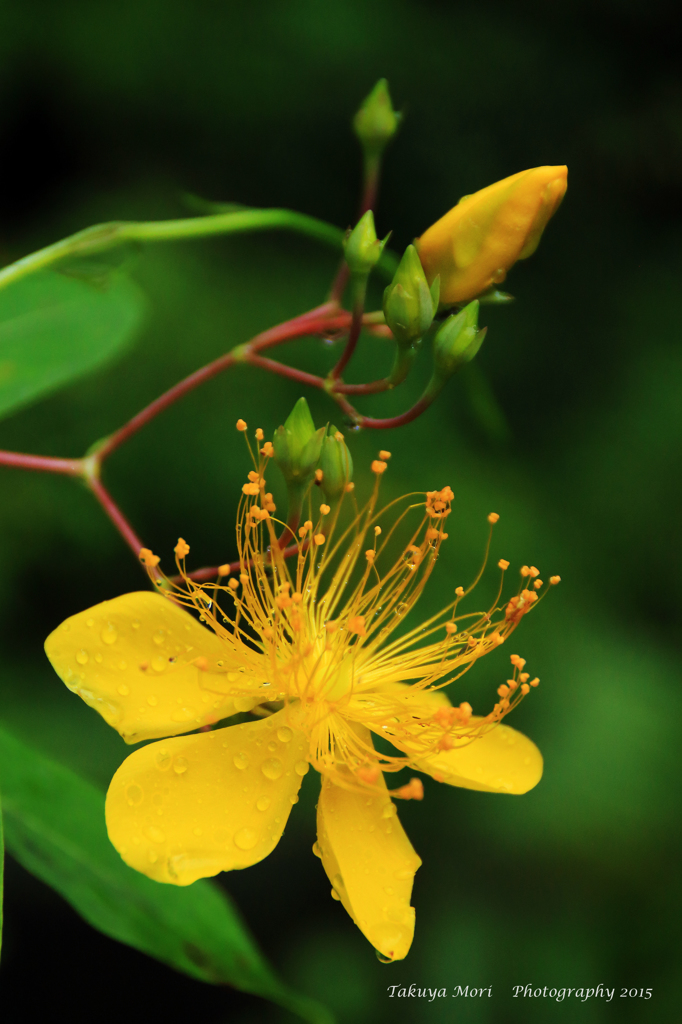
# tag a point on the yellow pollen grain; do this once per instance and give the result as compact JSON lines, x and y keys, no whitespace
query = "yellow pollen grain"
{"x":538,"y":584}
{"x":525,"y":570}
{"x":259,"y":434}
{"x":267,"y":450}
{"x":370,"y":555}
{"x":243,"y":577}
{"x":460,"y":591}
{"x":533,"y":571}
{"x":241,"y":425}
{"x":378,"y":467}
{"x":414,"y":790}
{"x":450,"y":628}
{"x":524,"y":677}
{"x":554,"y":580}
{"x":503,"y":690}
{"x":325,"y":510}
{"x":319,"y":539}
{"x":224,"y":570}
{"x":384,"y":456}
{"x":525,"y":689}
{"x":233,"y":585}
{"x":503,"y":564}
{"x":493,"y":517}
{"x":534,"y":682}
{"x":377,"y":531}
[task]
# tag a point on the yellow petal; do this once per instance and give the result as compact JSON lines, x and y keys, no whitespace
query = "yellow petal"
{"x":133,"y":660}
{"x":502,"y":760}
{"x":189,"y":807}
{"x":370,"y":863}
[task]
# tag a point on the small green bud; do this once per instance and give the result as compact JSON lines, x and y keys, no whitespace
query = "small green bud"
{"x":336,"y":465}
{"x":456,"y":342}
{"x":362,"y":247}
{"x":409,"y":303}
{"x":376,"y":122}
{"x":297,"y":444}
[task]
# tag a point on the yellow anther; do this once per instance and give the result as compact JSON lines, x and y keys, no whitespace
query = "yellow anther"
{"x":297,"y":597}
{"x":302,"y":531}
{"x":414,"y":790}
{"x":319,"y":538}
{"x":377,"y":531}
{"x":538,"y":584}
{"x":517,"y":661}
{"x":318,"y":475}
{"x":241,"y":425}
{"x":384,"y":456}
{"x":259,"y":434}
{"x":445,"y":743}
{"x":503,"y":690}
{"x":331,"y":626}
{"x":370,"y":555}
{"x":554,"y":580}
{"x":493,"y":517}
{"x":503,"y":564}
{"x":512,"y":684}
{"x":267,"y":450}
{"x":325,"y":510}
{"x":201,"y":663}
{"x":378,"y":467}
{"x":181,"y":548}
{"x":148,"y":558}
{"x":251,"y":490}
{"x":268,"y":633}
{"x":472,"y":641}
{"x":524,"y":677}
{"x":534,"y":682}
{"x":464,"y":712}
{"x":533,"y":571}
{"x":233,"y":584}
{"x":525,"y":689}
{"x":356,"y":624}
{"x":224,"y":570}
{"x":525,"y":570}
{"x":450,"y":628}
{"x":432,"y":534}
{"x":349,"y":487}
{"x":243,"y":577}
{"x":459,"y":591}
{"x":369,"y":773}
{"x":338,"y":436}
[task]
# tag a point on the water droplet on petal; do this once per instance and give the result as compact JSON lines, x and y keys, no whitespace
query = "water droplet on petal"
{"x":241,"y":760}
{"x":335,"y":895}
{"x":163,"y":760}
{"x":152,"y":700}
{"x":159,"y":663}
{"x":246,"y":838}
{"x":88,"y":622}
{"x":284,"y":734}
{"x":317,"y":850}
{"x":159,"y":637}
{"x":135,"y":624}
{"x":134,"y":794}
{"x":180,"y":765}
{"x":301,"y":768}
{"x":293,"y":799}
{"x":389,"y":810}
{"x":123,"y":690}
{"x":263,"y":802}
{"x":184,"y":715}
{"x":404,"y":874}
{"x":82,"y":658}
{"x":388,"y":890}
{"x":98,"y":658}
{"x":108,"y":634}
{"x":272,"y":768}
{"x":383,"y":959}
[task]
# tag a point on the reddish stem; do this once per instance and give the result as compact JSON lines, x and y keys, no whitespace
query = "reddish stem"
{"x":371,"y":388}
{"x":115,"y":514}
{"x":384,"y":424}
{"x":71,"y":467}
{"x":353,"y":335}
{"x":285,"y":371}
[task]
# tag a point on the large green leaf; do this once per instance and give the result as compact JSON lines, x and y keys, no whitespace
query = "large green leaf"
{"x":54,"y":826}
{"x":54,"y":328}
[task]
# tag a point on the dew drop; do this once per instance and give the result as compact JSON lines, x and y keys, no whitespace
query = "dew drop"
{"x":272,"y":747}
{"x":403,"y":875}
{"x":301,"y":768}
{"x":163,"y":760}
{"x":82,"y":658}
{"x":388,"y":890}
{"x":134,"y":794}
{"x":317,"y":850}
{"x":135,"y":623}
{"x":272,"y":768}
{"x":383,"y":959}
{"x":246,"y":838}
{"x":337,"y":882}
{"x":159,"y":637}
{"x":159,"y":663}
{"x":152,"y":700}
{"x":155,"y":834}
{"x":123,"y":690}
{"x":294,"y":799}
{"x":184,"y":715}
{"x":263,"y":802}
{"x":241,"y":760}
{"x":108,"y":634}
{"x":389,"y":810}
{"x":180,"y":765}
{"x":88,"y":622}
{"x":284,"y":734}
{"x":335,"y":895}
{"x":98,"y":658}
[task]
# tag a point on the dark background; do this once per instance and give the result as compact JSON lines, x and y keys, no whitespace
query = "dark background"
{"x":112,"y":110}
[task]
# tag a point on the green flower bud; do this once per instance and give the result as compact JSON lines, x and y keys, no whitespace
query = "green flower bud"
{"x":456,"y":342}
{"x":297,"y":444}
{"x":362,"y":247}
{"x":409,"y":303}
{"x":376,"y":122}
{"x":336,"y":465}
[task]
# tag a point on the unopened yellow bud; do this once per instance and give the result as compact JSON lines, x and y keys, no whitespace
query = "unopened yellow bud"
{"x":474,"y":245}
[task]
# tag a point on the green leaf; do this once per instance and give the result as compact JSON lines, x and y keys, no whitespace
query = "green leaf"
{"x":2,"y":875}
{"x":54,"y":826}
{"x":54,"y":328}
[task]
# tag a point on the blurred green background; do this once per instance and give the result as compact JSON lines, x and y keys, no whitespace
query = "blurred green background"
{"x":112,"y":110}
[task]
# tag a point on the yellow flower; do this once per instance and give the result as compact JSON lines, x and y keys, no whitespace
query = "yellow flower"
{"x":307,"y":646}
{"x":474,"y":245}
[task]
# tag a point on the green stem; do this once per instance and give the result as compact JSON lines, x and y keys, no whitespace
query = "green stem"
{"x":101,"y":237}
